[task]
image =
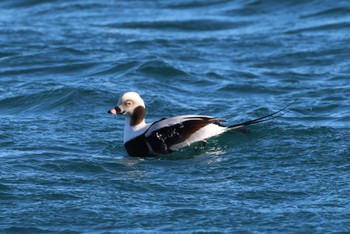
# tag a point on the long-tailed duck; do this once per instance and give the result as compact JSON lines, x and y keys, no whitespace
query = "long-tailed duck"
{"x":168,"y":134}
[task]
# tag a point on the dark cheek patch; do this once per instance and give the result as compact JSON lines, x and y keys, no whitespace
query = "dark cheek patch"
{"x":138,"y":116}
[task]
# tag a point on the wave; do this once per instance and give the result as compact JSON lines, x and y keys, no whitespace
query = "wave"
{"x":160,"y":68}
{"x":323,"y":27}
{"x":195,"y":4}
{"x":182,"y":25}
{"x":115,"y":69}
{"x":332,"y":12}
{"x":49,"y":101}
{"x":148,"y":66}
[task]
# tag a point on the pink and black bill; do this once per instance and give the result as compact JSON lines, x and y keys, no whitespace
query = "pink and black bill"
{"x":115,"y":111}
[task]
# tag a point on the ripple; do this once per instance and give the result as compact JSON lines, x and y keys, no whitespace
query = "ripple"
{"x":200,"y":25}
{"x":117,"y":69}
{"x":338,"y":26}
{"x":160,"y":68}
{"x":333,"y":12}
{"x":252,"y":89}
{"x":47,"y":101}
{"x":21,"y":229}
{"x":195,"y":4}
{"x":75,"y":166}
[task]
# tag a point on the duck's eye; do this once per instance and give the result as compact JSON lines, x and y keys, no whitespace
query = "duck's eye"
{"x":128,"y":103}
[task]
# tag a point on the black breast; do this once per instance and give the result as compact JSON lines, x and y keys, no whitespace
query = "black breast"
{"x":137,"y":147}
{"x":142,"y":147}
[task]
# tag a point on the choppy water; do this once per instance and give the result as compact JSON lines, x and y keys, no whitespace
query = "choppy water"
{"x":63,"y":64}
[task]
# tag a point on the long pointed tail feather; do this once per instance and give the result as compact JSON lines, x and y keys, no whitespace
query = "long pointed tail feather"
{"x":265,"y":118}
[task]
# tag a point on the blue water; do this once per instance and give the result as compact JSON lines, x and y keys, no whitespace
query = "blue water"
{"x":63,"y":167}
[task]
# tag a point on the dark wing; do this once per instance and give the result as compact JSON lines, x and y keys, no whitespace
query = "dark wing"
{"x":167,"y":132}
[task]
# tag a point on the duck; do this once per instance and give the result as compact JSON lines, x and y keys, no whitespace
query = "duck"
{"x":167,"y":135}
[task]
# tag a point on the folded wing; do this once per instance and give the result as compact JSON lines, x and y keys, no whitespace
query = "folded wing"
{"x":169,"y":134}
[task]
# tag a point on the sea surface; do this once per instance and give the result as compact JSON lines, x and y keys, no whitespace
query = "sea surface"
{"x":63,"y":167}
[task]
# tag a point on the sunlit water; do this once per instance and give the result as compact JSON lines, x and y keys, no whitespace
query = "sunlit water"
{"x":63,"y":64}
